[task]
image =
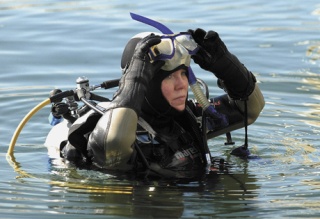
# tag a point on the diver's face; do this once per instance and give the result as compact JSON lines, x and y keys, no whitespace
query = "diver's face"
{"x":175,"y":89}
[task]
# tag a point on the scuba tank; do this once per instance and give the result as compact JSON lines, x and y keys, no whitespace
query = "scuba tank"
{"x":68,"y":101}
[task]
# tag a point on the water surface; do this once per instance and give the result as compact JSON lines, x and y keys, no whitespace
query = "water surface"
{"x":48,"y":44}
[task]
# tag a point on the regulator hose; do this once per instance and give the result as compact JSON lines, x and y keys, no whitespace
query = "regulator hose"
{"x":22,"y":124}
{"x":194,"y":85}
{"x":52,"y":99}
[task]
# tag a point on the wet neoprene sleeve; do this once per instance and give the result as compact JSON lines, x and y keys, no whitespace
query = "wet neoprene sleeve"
{"x":214,"y":56}
{"x":240,"y":85}
{"x":234,"y":110}
{"x":110,"y":143}
{"x":233,"y":77}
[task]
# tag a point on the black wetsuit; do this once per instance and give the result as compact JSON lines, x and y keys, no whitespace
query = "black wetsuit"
{"x":171,"y":147}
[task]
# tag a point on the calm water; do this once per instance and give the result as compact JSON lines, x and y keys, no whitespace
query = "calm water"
{"x":48,"y":44}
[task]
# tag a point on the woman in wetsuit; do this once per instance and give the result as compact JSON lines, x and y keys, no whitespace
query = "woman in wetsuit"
{"x":150,"y":126}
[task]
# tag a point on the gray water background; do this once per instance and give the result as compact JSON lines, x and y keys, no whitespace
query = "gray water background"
{"x":48,"y":44}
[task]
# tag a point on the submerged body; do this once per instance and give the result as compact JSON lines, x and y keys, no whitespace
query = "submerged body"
{"x":186,"y":162}
{"x":150,"y":126}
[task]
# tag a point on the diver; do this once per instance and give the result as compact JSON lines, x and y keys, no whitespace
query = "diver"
{"x":151,"y":127}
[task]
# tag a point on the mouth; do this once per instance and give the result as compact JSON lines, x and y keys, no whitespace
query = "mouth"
{"x":179,"y":103}
{"x":180,"y":98}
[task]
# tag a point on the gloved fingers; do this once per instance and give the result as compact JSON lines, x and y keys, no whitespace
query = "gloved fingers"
{"x":198,"y":35}
{"x":191,"y":32}
{"x":202,"y":52}
{"x":153,"y":40}
{"x":197,"y":58}
{"x":157,"y":65}
{"x":146,"y":43}
{"x":202,"y":58}
{"x":211,"y":35}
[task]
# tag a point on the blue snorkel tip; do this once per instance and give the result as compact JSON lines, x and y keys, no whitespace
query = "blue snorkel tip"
{"x":159,"y":26}
{"x":192,"y":78}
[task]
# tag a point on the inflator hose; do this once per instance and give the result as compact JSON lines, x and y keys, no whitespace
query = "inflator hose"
{"x":22,"y":124}
{"x":195,"y":87}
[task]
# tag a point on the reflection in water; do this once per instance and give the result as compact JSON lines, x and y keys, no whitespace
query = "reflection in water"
{"x":49,"y":43}
{"x":314,"y":51}
{"x":297,"y":151}
{"x":90,"y":192}
{"x":54,"y":6}
{"x":17,"y":167}
{"x":168,"y":199}
{"x":312,"y":86}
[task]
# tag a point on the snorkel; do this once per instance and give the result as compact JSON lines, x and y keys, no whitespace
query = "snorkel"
{"x":194,"y":85}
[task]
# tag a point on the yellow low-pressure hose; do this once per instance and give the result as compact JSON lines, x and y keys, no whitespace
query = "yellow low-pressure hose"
{"x":22,"y":123}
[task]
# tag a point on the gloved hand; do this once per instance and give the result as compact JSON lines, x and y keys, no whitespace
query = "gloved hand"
{"x":58,"y":109}
{"x":140,"y":65}
{"x":214,"y":56}
{"x":137,"y":75}
{"x":211,"y":48}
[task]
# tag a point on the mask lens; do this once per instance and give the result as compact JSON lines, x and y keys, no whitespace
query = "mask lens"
{"x":176,"y":49}
{"x":162,"y":51}
{"x":186,"y":40}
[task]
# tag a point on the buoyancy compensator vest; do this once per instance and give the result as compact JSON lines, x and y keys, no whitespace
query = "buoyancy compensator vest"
{"x":175,"y":152}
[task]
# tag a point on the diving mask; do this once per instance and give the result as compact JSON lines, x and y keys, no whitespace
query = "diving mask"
{"x":175,"y":50}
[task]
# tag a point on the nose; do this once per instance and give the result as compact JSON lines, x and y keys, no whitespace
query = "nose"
{"x":180,"y":82}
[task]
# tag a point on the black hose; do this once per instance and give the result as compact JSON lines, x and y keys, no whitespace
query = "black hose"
{"x":59,"y":96}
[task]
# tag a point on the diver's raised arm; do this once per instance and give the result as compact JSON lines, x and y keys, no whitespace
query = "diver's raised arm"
{"x":214,"y":56}
{"x":238,"y":82}
{"x":110,"y":143}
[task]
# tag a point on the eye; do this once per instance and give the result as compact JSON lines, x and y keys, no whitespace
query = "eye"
{"x":183,"y":73}
{"x":170,"y":76}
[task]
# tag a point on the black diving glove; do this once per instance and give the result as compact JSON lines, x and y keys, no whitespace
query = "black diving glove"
{"x":214,"y":56}
{"x":137,"y":75}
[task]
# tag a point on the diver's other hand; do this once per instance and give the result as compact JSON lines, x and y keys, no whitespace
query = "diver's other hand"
{"x":211,"y":49}
{"x":141,"y":57}
{"x":214,"y":56}
{"x":137,"y":76}
{"x":143,"y":46}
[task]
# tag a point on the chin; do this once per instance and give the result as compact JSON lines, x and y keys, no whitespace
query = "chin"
{"x":180,"y":108}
